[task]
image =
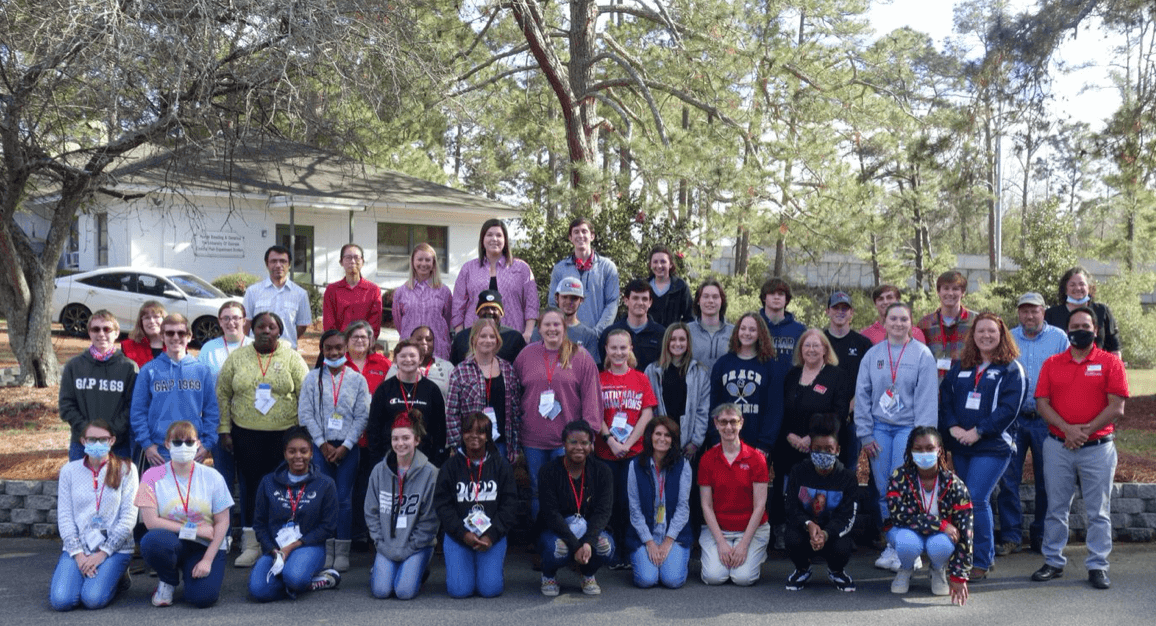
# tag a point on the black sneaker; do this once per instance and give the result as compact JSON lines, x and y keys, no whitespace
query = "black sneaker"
{"x":620,"y":566}
{"x":798,"y":579}
{"x":842,"y":580}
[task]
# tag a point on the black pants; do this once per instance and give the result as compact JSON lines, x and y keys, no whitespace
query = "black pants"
{"x":836,"y":552}
{"x":257,"y":453}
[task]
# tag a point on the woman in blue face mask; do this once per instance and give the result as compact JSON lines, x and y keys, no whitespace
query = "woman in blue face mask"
{"x":334,"y":407}
{"x":95,"y":516}
{"x":931,"y":513}
{"x":1077,"y":289}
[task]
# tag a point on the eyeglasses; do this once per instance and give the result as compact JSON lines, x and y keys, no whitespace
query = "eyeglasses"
{"x":230,"y":318}
{"x":728,"y":423}
{"x":98,"y":439}
{"x":176,"y":333}
{"x":350,"y":257}
{"x":359,"y":338}
{"x":183,"y":442}
{"x":96,"y":330}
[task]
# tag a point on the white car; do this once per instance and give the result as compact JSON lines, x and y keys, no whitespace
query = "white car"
{"x":123,"y":290}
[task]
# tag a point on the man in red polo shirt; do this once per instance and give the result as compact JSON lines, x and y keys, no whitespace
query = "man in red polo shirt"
{"x":353,"y":297}
{"x":1080,"y":394}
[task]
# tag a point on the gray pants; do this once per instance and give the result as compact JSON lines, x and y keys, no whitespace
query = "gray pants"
{"x":1096,"y":468}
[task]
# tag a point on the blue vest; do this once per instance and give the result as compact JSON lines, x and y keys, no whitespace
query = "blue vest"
{"x":644,"y":473}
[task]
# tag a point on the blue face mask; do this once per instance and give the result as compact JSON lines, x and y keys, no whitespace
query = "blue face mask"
{"x":96,"y":449}
{"x":335,"y":362}
{"x":823,"y":461}
{"x":1083,"y":300}
{"x":925,"y":460}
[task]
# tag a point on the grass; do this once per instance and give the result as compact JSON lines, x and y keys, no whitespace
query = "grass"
{"x":1137,"y":442}
{"x":1142,"y":382}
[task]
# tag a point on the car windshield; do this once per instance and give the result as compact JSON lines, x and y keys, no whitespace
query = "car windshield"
{"x":195,"y":287}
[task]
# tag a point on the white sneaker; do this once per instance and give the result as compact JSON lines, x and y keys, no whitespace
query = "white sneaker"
{"x":889,"y":559}
{"x":939,"y":586}
{"x":902,"y":582}
{"x":918,"y":564}
{"x":163,"y":596}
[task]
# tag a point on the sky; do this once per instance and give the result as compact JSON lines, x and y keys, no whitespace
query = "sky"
{"x":1085,"y":95}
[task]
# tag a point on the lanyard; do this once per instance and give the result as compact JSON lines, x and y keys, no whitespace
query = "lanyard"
{"x":660,"y":478}
{"x":294,"y":501}
{"x":954,"y":329}
{"x":927,"y":499}
{"x":578,"y":494}
{"x":425,"y":373}
{"x":400,"y":489}
{"x":478,"y":482}
{"x":264,"y":367}
{"x":978,"y":372}
{"x":336,"y":384}
{"x":188,"y":492}
{"x":99,"y":496}
{"x":404,"y":397}
{"x":895,"y":364}
{"x":549,"y":370}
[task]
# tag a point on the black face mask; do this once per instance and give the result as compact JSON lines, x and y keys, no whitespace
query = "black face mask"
{"x":1081,"y":339}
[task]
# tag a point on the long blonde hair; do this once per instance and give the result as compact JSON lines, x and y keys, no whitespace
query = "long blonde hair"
{"x":435,"y":277}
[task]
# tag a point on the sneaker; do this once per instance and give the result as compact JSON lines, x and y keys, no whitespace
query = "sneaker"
{"x":163,"y":596}
{"x":918,"y":564}
{"x":550,"y":587}
{"x":125,"y":583}
{"x":902,"y":582}
{"x":1008,"y":547}
{"x":326,"y":579}
{"x":842,"y":580}
{"x":939,"y":586}
{"x":889,"y":559}
{"x":590,"y":586}
{"x":624,"y":565}
{"x":798,"y":579}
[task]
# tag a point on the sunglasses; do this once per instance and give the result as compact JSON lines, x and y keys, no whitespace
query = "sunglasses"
{"x":176,"y":333}
{"x":96,"y":330}
{"x":183,"y":442}
{"x":98,"y":439}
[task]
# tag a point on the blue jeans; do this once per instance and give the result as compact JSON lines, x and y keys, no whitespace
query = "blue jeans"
{"x":469,"y":571}
{"x":1030,"y":436}
{"x":170,"y":556}
{"x":551,"y":562}
{"x":980,"y":474}
{"x":295,"y":578}
{"x":672,"y":573}
{"x":70,"y":588}
{"x":910,"y":544}
{"x":400,"y":578}
{"x":344,"y":474}
{"x":892,"y":442}
{"x":535,"y":459}
{"x":76,"y":450}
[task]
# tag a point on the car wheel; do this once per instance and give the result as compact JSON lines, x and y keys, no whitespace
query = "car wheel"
{"x":205,"y":329}
{"x":74,"y":318}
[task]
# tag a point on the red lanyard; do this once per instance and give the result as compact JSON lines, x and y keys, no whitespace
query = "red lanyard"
{"x":294,"y":501}
{"x":188,"y":492}
{"x":954,"y":329}
{"x":99,"y":496}
{"x":660,"y":478}
{"x":895,"y":364}
{"x":404,"y":397}
{"x":978,"y":372}
{"x":265,"y":367}
{"x":928,"y":501}
{"x":427,"y":369}
{"x":549,"y":370}
{"x":478,"y":482}
{"x":336,"y":384}
{"x":578,"y":494}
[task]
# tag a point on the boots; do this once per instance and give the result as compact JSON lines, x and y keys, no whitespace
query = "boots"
{"x":328,"y":554}
{"x":341,"y":554}
{"x":250,"y":549}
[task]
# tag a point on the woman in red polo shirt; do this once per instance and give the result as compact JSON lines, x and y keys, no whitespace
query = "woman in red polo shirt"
{"x":732,"y":479}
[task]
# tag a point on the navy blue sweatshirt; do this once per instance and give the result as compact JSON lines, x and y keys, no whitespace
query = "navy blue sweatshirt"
{"x":316,"y":516}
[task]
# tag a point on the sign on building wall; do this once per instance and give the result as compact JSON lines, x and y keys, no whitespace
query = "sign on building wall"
{"x":219,"y":245}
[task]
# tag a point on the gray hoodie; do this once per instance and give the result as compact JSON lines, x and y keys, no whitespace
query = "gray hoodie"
{"x":400,"y":513}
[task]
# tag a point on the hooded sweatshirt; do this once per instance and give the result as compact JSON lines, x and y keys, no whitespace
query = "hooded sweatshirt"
{"x":90,"y":389}
{"x":316,"y":513}
{"x":400,"y":511}
{"x":461,"y":486}
{"x":167,"y":392}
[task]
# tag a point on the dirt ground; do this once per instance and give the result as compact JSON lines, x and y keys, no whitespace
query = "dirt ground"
{"x":34,"y":442}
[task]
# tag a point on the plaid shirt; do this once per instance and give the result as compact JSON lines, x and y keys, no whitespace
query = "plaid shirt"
{"x":468,"y":394}
{"x":946,"y":342}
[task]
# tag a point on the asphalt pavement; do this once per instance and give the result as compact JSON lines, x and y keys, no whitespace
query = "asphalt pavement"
{"x":1006,"y":597}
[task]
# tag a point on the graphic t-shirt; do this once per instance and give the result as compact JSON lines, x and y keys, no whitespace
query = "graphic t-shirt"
{"x":623,"y":395}
{"x":205,"y":491}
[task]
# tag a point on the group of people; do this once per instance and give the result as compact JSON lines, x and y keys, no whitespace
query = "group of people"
{"x":616,"y":420}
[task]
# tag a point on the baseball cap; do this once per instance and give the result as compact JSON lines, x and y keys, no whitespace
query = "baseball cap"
{"x":1030,"y":297}
{"x":570,"y":286}
{"x":839,"y":297}
{"x":490,"y":297}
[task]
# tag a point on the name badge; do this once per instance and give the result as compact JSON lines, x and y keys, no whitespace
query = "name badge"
{"x":402,"y":522}
{"x":964,"y":374}
{"x":619,"y":429}
{"x":289,"y":533}
{"x":973,"y":399}
{"x":887,"y":401}
{"x":93,"y":538}
{"x":577,"y":525}
{"x":335,"y":422}
{"x":477,"y":521}
{"x":660,"y":514}
{"x":188,"y":532}
{"x":943,"y":364}
{"x":820,"y":389}
{"x":264,"y":392}
{"x":1095,"y":367}
{"x":494,"y":434}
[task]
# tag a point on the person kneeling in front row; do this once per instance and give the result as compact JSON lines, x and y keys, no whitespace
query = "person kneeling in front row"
{"x":821,"y":508}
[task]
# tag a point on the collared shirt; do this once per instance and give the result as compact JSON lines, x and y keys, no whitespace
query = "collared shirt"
{"x":425,"y":305}
{"x":344,"y":304}
{"x":600,"y":284}
{"x":289,"y":301}
{"x":732,"y":485}
{"x":515,"y":283}
{"x":876,"y":333}
{"x":1079,"y":391}
{"x":1034,"y":351}
{"x":946,"y":340}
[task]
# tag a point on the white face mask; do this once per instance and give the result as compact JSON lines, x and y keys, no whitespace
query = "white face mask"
{"x":182,"y":453}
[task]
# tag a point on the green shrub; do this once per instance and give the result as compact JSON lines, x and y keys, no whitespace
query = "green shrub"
{"x":235,"y":284}
{"x":1137,"y":327}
